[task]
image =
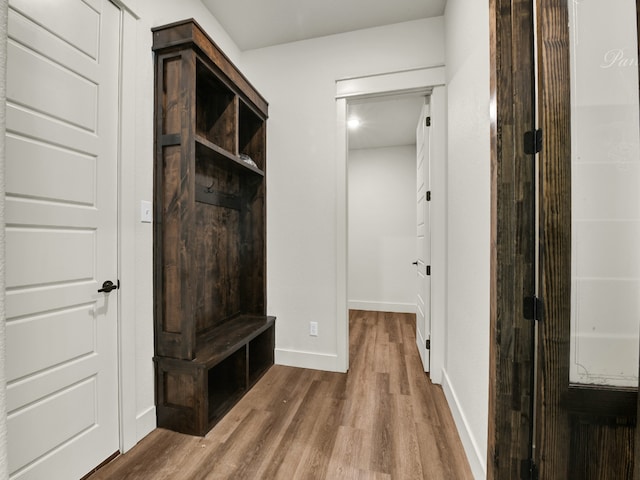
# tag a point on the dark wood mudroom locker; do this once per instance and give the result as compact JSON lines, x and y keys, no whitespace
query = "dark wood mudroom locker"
{"x":213,"y":339}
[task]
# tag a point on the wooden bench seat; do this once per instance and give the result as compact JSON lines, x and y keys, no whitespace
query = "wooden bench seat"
{"x":192,"y":395}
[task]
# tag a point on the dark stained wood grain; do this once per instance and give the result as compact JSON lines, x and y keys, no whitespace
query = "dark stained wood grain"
{"x":582,"y":432}
{"x":212,"y":338}
{"x":252,"y":135}
{"x":553,"y":433}
{"x":304,"y":424}
{"x":599,"y":452}
{"x":218,"y":254}
{"x":253,"y":247}
{"x":216,"y":109}
{"x":512,"y":239}
{"x":171,"y":239}
{"x":620,"y":405}
{"x":170,"y":79}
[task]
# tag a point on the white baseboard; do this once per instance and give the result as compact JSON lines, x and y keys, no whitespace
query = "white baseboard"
{"x":145,"y":423}
{"x":382,"y":306}
{"x":475,"y":457}
{"x":312,"y":360}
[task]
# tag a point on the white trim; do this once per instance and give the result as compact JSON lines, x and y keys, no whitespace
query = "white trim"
{"x":438,"y":162}
{"x":474,"y":455}
{"x":126,"y":6}
{"x":352,"y":89}
{"x":312,"y":360}
{"x":130,"y":433}
{"x":342,"y":239}
{"x":408,"y":80}
{"x":382,"y":306}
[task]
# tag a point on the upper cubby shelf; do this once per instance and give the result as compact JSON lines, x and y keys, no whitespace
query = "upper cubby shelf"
{"x":251,"y":135}
{"x":207,"y":150}
{"x":216,"y":110}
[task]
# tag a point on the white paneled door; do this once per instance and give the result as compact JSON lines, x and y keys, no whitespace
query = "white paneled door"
{"x":61,"y":236}
{"x":423,"y":264}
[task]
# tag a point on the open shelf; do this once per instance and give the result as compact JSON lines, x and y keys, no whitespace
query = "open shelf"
{"x":251,"y":134}
{"x":208,"y":151}
{"x":215,"y":110}
{"x":226,"y":383}
{"x":260,"y":354}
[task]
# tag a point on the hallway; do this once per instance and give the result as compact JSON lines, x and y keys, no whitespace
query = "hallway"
{"x":382,"y":420}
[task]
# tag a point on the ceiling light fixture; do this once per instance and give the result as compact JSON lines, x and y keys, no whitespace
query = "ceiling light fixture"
{"x":353,"y":123}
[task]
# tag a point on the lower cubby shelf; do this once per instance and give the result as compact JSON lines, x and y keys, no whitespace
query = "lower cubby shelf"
{"x":193,"y":395}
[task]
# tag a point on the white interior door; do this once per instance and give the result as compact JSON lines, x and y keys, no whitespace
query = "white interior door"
{"x":423,"y":263}
{"x":61,"y":236}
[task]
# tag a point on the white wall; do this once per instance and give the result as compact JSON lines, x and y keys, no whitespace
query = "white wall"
{"x":298,"y":79}
{"x":469,"y":213}
{"x":382,"y":229}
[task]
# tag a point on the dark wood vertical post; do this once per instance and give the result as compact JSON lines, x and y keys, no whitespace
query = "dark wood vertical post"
{"x":512,"y":239}
{"x":552,"y":433}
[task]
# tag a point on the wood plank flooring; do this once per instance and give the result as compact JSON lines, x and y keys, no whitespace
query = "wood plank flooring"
{"x":382,"y":420}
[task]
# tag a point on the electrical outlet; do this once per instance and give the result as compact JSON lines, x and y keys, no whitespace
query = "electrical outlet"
{"x":313,"y":329}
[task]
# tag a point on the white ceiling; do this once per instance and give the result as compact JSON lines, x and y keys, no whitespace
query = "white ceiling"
{"x":385,"y":121}
{"x":261,"y":23}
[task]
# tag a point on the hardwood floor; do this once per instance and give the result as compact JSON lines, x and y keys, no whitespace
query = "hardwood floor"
{"x":382,"y":420}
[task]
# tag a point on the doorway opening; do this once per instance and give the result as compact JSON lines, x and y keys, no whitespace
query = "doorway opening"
{"x":357,"y":96}
{"x":381,"y":177}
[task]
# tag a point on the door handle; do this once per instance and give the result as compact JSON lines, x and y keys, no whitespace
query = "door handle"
{"x":108,"y":286}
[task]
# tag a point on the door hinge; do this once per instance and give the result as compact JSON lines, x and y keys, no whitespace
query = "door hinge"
{"x":428,"y":196}
{"x":427,"y":121}
{"x":533,"y":142}
{"x":533,"y":308}
{"x":428,"y":345}
{"x":529,"y":470}
{"x":428,"y":270}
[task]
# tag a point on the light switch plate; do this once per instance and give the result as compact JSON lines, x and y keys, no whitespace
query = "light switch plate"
{"x":146,"y":212}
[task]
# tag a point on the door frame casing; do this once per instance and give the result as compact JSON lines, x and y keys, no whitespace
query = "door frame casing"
{"x":421,"y":79}
{"x":127,"y":224}
{"x":133,"y":425}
